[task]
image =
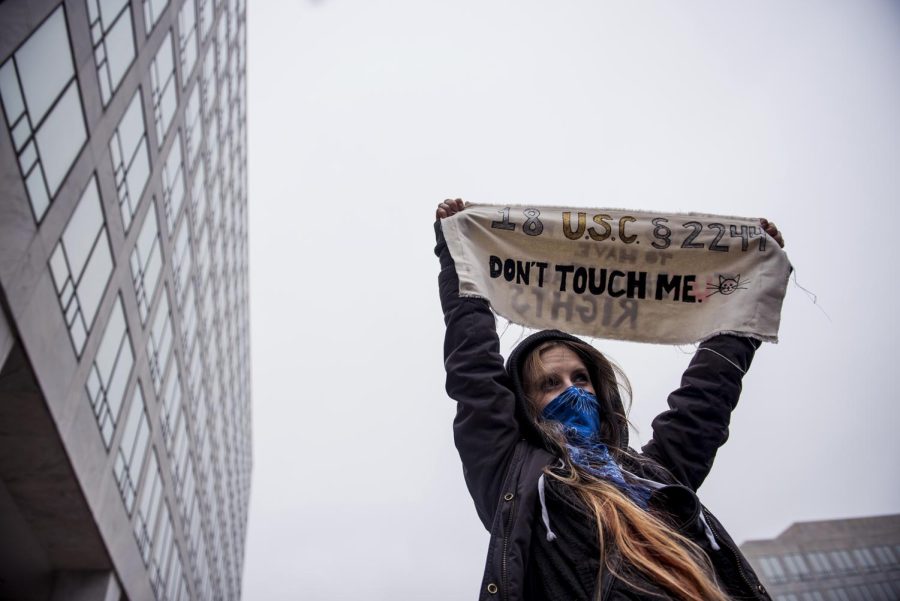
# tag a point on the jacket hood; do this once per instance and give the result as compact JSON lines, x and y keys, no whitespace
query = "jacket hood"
{"x":515,"y":367}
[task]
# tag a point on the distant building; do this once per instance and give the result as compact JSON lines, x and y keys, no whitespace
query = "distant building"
{"x":125,"y":452}
{"x":834,"y":560}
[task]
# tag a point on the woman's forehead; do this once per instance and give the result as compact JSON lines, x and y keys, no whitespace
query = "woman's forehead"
{"x":559,"y":356}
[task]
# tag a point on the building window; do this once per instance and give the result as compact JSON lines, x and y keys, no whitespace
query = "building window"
{"x":43,"y":110}
{"x":231,"y":13}
{"x":241,"y":49}
{"x":193,"y":128}
{"x":207,"y":17}
{"x":152,"y":11}
{"x":109,"y":372}
{"x":132,"y":449}
{"x":885,"y":555}
{"x":112,"y":38}
{"x":864,"y":558}
{"x":895,"y":588}
{"x":860,"y":593}
{"x":176,"y":589}
{"x":201,"y":447}
{"x":195,"y":373}
{"x":195,"y":535}
{"x":202,"y":580}
{"x":215,"y":196}
{"x":159,"y":343}
{"x":81,"y":265}
{"x":198,"y":198}
{"x":209,"y":320}
{"x":173,"y":183}
{"x":188,"y":494}
{"x":221,"y":44}
{"x":189,"y":323}
{"x":199,"y":415}
{"x":181,"y":263}
{"x":171,"y":399}
{"x":883,"y":591}
{"x":839,"y":594}
{"x":146,"y":263}
{"x":201,"y":271}
{"x":212,"y":143}
{"x":187,"y":39}
{"x":209,"y":85}
{"x":211,"y":475}
{"x":180,"y":455}
{"x":819,"y":562}
{"x":772,"y":569}
{"x":841,"y":560}
{"x":148,"y":508}
{"x":795,"y":565}
{"x":163,"y":88}
{"x":234,"y":87}
{"x":163,"y":545}
{"x":130,"y":158}
{"x":229,"y":155}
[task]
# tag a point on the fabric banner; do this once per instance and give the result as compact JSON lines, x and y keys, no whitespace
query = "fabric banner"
{"x":626,"y":275}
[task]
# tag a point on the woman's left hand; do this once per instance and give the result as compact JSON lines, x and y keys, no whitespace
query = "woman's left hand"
{"x":772,"y":231}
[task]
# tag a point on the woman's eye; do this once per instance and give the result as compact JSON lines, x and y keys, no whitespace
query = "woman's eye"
{"x":581,"y":378}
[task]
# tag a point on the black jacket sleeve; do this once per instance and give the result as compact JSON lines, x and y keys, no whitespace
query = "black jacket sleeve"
{"x":485,"y":429}
{"x":687,"y":436}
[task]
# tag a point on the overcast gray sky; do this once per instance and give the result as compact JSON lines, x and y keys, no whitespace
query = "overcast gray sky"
{"x":364,"y":114}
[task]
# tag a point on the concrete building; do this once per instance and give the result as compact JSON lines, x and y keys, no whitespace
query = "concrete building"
{"x":124,"y":345}
{"x":834,"y":560}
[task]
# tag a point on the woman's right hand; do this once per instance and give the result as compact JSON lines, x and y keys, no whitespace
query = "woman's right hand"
{"x":448,"y":208}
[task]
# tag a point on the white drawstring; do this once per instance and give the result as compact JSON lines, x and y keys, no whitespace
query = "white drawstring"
{"x":709,"y":533}
{"x":545,"y":515}
{"x":735,"y":365}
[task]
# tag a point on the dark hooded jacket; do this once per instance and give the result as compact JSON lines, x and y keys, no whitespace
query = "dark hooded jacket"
{"x":503,"y":458}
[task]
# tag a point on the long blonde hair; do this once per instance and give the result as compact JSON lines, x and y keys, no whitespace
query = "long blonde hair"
{"x":646,"y":543}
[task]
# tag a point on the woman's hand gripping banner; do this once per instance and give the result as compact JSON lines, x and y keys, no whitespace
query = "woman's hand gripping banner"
{"x":625,"y":275}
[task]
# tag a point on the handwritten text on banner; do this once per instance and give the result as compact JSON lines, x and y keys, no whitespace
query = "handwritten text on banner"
{"x":629,"y":275}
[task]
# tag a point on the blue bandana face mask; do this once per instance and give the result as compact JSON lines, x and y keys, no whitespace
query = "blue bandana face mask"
{"x":577,"y":410}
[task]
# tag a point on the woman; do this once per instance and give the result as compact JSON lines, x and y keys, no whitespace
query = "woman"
{"x":573,"y":512}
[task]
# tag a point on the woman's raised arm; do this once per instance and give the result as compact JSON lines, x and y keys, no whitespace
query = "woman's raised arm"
{"x":485,"y":429}
{"x":687,"y":436}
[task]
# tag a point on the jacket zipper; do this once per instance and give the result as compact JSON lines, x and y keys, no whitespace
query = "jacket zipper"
{"x":737,"y":559}
{"x":510,"y":486}
{"x":504,"y":571}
